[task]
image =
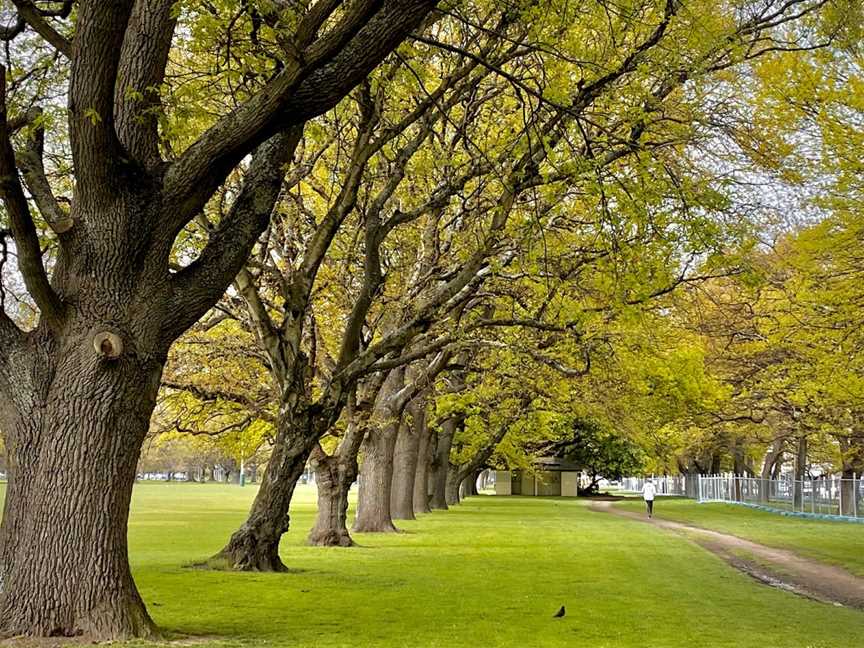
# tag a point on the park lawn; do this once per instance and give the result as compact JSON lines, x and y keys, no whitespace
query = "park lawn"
{"x":839,"y":543}
{"x":490,"y":572}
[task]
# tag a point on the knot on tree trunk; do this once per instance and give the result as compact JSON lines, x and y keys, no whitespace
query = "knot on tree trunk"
{"x":108,"y":344}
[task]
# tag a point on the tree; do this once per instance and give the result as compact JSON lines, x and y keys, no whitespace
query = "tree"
{"x":538,"y":183}
{"x":599,"y":452}
{"x":81,"y":386}
{"x":145,"y":247}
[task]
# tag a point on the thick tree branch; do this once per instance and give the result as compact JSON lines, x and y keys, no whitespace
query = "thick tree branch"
{"x":324,"y":73}
{"x":24,"y":231}
{"x":485,"y":451}
{"x":33,"y":170}
{"x":33,"y":16}
{"x":200,"y":285}
{"x":314,"y":19}
{"x":95,"y":55}
{"x":267,"y":332}
{"x":421,"y":379}
{"x":141,"y":72}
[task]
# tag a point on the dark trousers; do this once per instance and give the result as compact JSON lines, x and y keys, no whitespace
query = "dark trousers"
{"x":650,"y":505}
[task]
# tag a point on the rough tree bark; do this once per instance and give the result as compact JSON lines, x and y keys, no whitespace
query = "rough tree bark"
{"x":441,"y":464}
{"x":333,"y":480}
{"x":405,"y":458}
{"x":447,"y":430}
{"x":79,"y":390}
{"x":333,"y":477}
{"x":453,"y":491}
{"x":64,"y":554}
{"x":373,"y":500}
{"x":420,"y":498}
{"x":376,"y":472}
{"x":401,"y":386}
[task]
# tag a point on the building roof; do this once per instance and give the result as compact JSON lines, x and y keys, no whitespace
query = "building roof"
{"x":556,"y":463}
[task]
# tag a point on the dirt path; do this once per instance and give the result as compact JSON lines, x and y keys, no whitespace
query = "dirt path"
{"x":776,"y":567}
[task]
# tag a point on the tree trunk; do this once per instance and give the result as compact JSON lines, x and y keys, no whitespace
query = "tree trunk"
{"x":462,"y":479}
{"x":255,"y":545}
{"x":471,"y":484}
{"x":800,"y":471}
{"x":376,"y":473}
{"x":774,"y":454}
{"x":73,"y":459}
{"x":405,"y":457}
{"x":852,"y":451}
{"x":738,"y":467}
{"x":716,"y":459}
{"x":691,"y":473}
{"x":441,"y":463}
{"x":424,"y":456}
{"x":376,"y":479}
{"x":847,"y":493}
{"x":453,"y":490}
{"x":440,"y":467}
{"x":333,"y":478}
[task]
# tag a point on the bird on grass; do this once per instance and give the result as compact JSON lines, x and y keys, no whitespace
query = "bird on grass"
{"x":560,"y":613}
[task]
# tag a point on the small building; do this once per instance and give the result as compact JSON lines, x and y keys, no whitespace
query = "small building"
{"x":551,"y":476}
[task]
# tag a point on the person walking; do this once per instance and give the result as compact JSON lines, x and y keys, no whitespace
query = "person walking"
{"x":648,"y":493}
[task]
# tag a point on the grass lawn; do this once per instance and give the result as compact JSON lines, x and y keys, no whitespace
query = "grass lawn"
{"x":490,"y":572}
{"x":841,"y":543}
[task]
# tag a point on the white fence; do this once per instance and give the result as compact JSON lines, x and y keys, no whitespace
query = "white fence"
{"x":666,"y":485}
{"x":826,"y":496}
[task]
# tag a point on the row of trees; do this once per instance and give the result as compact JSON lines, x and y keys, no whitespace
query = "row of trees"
{"x":388,"y":237}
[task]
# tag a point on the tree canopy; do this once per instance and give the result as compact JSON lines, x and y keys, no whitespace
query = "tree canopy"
{"x":406,"y":241}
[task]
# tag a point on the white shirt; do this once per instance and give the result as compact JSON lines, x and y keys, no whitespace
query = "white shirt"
{"x":649,"y":491}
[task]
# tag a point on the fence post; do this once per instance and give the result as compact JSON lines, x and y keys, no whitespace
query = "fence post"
{"x":854,"y":495}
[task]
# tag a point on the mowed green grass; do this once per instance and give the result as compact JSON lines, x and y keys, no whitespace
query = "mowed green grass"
{"x":490,"y":572}
{"x":840,"y":543}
